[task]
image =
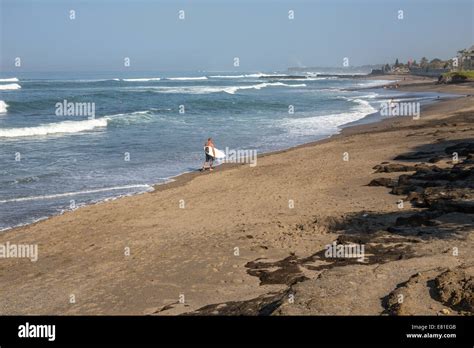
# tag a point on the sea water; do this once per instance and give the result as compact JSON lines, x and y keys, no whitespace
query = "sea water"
{"x":149,"y":127}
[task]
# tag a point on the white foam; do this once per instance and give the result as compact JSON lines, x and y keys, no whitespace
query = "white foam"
{"x":67,"y":194}
{"x":83,"y":80}
{"x":296,"y":85}
{"x":24,"y":224}
{"x":215,"y":89}
{"x":143,"y":79}
{"x":67,"y":127}
{"x":189,"y":90}
{"x":358,"y":98}
{"x":232,"y":90}
{"x":187,"y":78}
{"x":129,"y":114}
{"x":130,"y":118}
{"x":10,"y":86}
{"x":327,"y":124}
{"x":374,"y":83}
{"x":320,"y":78}
{"x":335,"y":74}
{"x":227,"y":76}
{"x":244,"y":76}
{"x":54,"y":128}
{"x":98,"y":80}
{"x":13,"y":79}
{"x":3,"y":107}
{"x":256,"y":75}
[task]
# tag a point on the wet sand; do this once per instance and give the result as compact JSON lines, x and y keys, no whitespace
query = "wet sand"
{"x":251,"y":240}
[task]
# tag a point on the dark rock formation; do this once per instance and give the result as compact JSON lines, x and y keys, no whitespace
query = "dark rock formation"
{"x":439,"y":190}
{"x":462,"y":149}
{"x":455,"y":288}
{"x":415,"y":156}
{"x":387,"y":182}
{"x":393,"y":167}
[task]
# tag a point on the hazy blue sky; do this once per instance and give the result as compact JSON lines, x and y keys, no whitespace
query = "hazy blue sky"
{"x":214,"y":32}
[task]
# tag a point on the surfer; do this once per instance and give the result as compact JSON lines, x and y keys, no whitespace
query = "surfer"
{"x":210,"y":154}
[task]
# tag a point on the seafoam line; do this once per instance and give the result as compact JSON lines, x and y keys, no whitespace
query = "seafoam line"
{"x":67,"y":194}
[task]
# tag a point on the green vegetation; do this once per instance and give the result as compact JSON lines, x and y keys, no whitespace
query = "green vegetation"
{"x":461,"y":75}
{"x":424,"y":63}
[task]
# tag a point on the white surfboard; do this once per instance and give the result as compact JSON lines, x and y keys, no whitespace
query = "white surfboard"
{"x":218,"y":153}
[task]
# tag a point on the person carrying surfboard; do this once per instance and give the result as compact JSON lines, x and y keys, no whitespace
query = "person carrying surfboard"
{"x":210,"y":154}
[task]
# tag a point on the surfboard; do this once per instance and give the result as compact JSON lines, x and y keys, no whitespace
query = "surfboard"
{"x":218,"y":153}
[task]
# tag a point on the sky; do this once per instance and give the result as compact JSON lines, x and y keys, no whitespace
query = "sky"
{"x":213,"y":33}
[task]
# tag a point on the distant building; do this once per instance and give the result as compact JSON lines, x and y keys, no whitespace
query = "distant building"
{"x":400,"y":70}
{"x":465,"y":59}
{"x":470,"y":56}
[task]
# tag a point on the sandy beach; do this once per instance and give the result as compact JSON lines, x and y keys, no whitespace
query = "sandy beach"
{"x":252,"y":240}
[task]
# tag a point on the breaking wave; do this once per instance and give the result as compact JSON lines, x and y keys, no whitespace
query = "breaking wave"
{"x":215,"y":89}
{"x":11,"y":86}
{"x":243,"y":76}
{"x":3,"y":107}
{"x":67,"y":194}
{"x":13,"y":79}
{"x":53,"y":128}
{"x":145,"y":79}
{"x":186,"y":78}
{"x":68,"y":127}
{"x":327,"y":124}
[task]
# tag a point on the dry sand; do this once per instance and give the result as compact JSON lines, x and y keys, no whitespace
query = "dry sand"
{"x":251,"y":240}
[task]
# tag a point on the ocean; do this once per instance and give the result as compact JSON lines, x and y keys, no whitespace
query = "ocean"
{"x":147,"y":128}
